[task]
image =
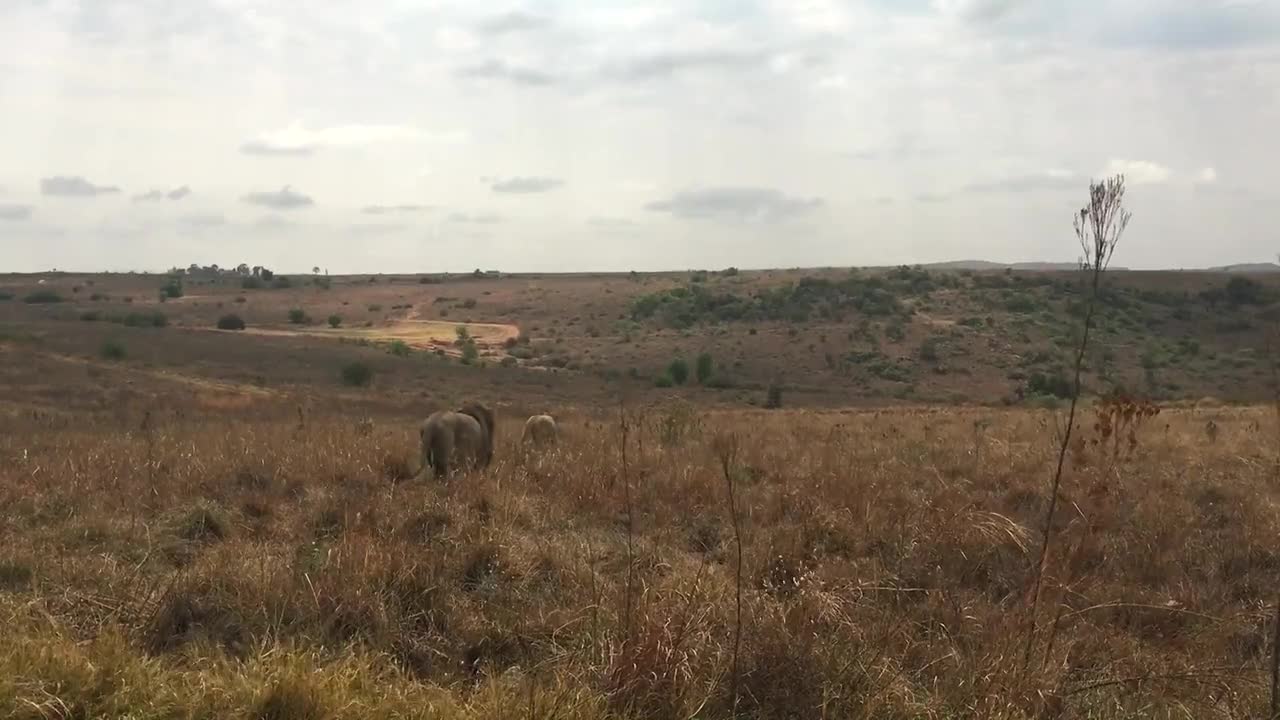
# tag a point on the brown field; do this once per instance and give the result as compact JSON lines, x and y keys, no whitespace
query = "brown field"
{"x":199,"y":524}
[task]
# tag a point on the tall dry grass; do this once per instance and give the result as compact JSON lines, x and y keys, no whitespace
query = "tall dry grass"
{"x":258,"y":569}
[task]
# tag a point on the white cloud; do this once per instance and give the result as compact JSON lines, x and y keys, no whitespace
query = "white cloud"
{"x":764,"y":106}
{"x":1139,"y":172}
{"x":299,"y":141}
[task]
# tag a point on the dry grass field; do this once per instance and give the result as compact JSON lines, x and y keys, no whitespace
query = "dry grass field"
{"x":201,"y":524}
{"x":250,"y":567}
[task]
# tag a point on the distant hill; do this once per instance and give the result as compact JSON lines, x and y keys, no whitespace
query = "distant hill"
{"x":988,"y":265}
{"x":1248,"y":268}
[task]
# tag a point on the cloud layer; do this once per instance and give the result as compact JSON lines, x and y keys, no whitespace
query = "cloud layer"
{"x":776,"y":132}
{"x":734,"y":203}
{"x":286,"y":198}
{"x":74,"y":186}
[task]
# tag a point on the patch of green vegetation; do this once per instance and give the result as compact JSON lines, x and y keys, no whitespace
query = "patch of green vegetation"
{"x":42,"y":297}
{"x":809,"y":297}
{"x":112,"y":350}
{"x":230,"y":322}
{"x":357,"y":374}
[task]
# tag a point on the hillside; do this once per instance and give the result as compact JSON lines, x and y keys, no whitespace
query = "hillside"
{"x":828,"y":337}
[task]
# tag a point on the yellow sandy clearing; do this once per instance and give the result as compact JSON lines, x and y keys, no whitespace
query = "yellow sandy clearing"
{"x":422,"y":334}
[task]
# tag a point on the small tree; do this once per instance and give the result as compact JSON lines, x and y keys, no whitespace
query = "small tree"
{"x":335,"y":321}
{"x":463,"y":334}
{"x":112,"y":350}
{"x":1098,"y":226}
{"x":704,"y":368}
{"x":267,"y":274}
{"x":470,"y":353}
{"x":171,"y":289}
{"x":678,"y":370}
{"x":230,"y":322}
{"x":357,"y":374}
{"x":298,"y":316}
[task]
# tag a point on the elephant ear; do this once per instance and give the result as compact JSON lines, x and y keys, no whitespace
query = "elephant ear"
{"x":483,"y":415}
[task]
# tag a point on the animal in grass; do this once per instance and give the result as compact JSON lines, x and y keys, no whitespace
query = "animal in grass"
{"x":541,"y":430}
{"x":457,"y":440}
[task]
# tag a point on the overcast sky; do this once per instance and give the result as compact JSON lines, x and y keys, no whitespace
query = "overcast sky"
{"x":399,"y":136}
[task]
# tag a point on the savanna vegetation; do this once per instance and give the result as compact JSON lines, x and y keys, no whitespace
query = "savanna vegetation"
{"x":1035,"y":510}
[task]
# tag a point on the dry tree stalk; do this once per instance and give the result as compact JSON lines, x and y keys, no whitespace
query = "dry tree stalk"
{"x":726,"y":448}
{"x":1098,"y":226}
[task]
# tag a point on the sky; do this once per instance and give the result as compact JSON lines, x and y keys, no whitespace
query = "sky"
{"x":557,"y":135}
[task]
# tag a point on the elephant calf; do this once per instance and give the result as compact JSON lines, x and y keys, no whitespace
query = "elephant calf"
{"x":541,"y":430}
{"x":457,"y":441}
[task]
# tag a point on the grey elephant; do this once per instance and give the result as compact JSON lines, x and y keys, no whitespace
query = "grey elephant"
{"x":541,"y":430}
{"x":457,"y":440}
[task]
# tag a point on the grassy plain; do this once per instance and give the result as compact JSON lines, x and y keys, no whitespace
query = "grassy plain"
{"x":210,"y":524}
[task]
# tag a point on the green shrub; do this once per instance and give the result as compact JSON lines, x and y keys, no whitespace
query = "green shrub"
{"x":469,"y":303}
{"x":357,"y":374}
{"x":298,"y":316}
{"x":112,"y":350}
{"x":1053,"y":384}
{"x":91,"y":316}
{"x":399,"y":348}
{"x":281,"y":283}
{"x":251,"y":283}
{"x":335,"y":321}
{"x":470,"y":353}
{"x":929,"y":350}
{"x":145,"y":319}
{"x":42,"y":297}
{"x":171,"y":289}
{"x":678,"y":371}
{"x":5,"y":295}
{"x":375,"y":308}
{"x":230,"y":322}
{"x":704,"y":367}
{"x":663,"y":381}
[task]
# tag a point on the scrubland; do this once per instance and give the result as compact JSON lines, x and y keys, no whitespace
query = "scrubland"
{"x":665,"y":561}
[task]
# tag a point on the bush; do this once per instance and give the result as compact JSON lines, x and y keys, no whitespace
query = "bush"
{"x":1243,"y":291}
{"x":298,"y":316}
{"x":663,"y":381}
{"x":469,"y":303}
{"x":91,"y":316}
{"x":704,"y":368}
{"x":42,"y":297}
{"x":281,"y":283}
{"x":463,"y":334}
{"x":6,"y":295}
{"x":929,"y":350}
{"x":678,"y":370}
{"x":251,"y":283}
{"x":112,"y":350}
{"x":335,"y":321}
{"x":145,"y":319}
{"x":230,"y":322}
{"x":773,"y":396}
{"x":357,"y":374}
{"x":375,"y":308}
{"x":399,"y":348}
{"x":171,"y":289}
{"x":1049,"y":385}
{"x":470,"y":353}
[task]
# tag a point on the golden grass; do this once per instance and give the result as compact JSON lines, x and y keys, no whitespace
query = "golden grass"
{"x":256,"y":569}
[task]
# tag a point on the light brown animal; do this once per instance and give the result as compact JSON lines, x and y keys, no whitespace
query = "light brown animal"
{"x":457,"y":440}
{"x":541,"y":430}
